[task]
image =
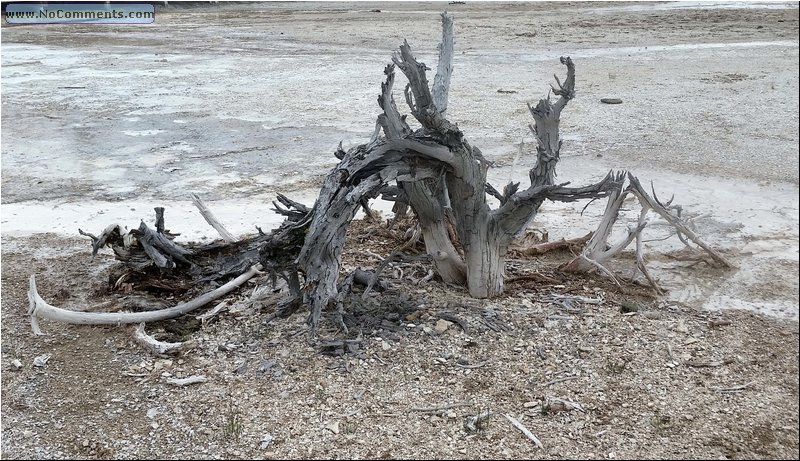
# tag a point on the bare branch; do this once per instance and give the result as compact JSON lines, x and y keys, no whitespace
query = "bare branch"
{"x":40,"y":309}
{"x":212,"y":220}
{"x":444,"y":69}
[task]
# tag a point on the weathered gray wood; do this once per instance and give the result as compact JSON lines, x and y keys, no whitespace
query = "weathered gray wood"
{"x":439,"y":174}
{"x":598,"y":251}
{"x":444,"y":69}
{"x":211,"y":219}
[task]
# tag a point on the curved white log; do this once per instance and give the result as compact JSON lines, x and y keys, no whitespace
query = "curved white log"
{"x":40,"y":309}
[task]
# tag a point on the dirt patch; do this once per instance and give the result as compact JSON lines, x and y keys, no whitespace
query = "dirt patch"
{"x":613,"y":378}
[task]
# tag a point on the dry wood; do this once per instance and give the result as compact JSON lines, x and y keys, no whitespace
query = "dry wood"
{"x":472,"y":366}
{"x":440,"y":408}
{"x":180,"y":382}
{"x":212,"y":220}
{"x":524,"y":430}
{"x":437,"y":173}
{"x":40,"y":309}
{"x":709,"y":363}
{"x":157,"y":347}
{"x":725,"y":390}
{"x":213,"y":312}
{"x":559,"y":380}
{"x":597,"y":250}
{"x":543,"y":248}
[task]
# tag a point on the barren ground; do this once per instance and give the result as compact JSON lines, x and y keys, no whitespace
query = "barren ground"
{"x":102,"y":124}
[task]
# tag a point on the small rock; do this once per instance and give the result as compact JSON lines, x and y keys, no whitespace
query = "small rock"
{"x":41,"y":360}
{"x":611,"y":100}
{"x":548,"y":324}
{"x":151,"y":413}
{"x":385,"y":346}
{"x":442,"y":325}
{"x":266,"y":439}
{"x":530,"y":404}
{"x":154,"y":425}
{"x":27,"y":433}
{"x":333,"y":427}
{"x":16,"y":364}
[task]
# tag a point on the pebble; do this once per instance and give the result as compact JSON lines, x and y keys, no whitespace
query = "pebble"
{"x":442,"y":325}
{"x":41,"y":360}
{"x":611,"y":100}
{"x":333,"y":427}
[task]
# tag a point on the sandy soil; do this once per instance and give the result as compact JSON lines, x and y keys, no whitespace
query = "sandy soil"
{"x":237,"y":103}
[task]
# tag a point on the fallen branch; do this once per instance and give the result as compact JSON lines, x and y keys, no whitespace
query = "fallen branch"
{"x":440,"y":408}
{"x":40,"y":309}
{"x":157,"y":347}
{"x":212,"y":220}
{"x":524,"y":430}
{"x":543,"y":248}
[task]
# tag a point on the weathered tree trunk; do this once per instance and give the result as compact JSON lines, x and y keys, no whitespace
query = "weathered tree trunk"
{"x":438,"y":174}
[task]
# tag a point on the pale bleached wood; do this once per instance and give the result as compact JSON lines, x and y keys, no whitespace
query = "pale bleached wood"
{"x":515,"y":422}
{"x":157,"y":347}
{"x":39,"y":308}
{"x":212,"y":220}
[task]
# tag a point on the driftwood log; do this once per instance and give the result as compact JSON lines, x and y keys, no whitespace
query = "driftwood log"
{"x":433,"y":170}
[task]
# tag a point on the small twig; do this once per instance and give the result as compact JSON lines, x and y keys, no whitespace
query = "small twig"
{"x":564,"y":405}
{"x":723,"y":390}
{"x":566,"y":378}
{"x":472,"y":366}
{"x":180,"y":382}
{"x":709,"y":363}
{"x":440,"y":408}
{"x":672,"y":355}
{"x":524,"y":430}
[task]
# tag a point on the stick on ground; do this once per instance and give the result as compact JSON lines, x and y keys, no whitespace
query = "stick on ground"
{"x":524,"y":430}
